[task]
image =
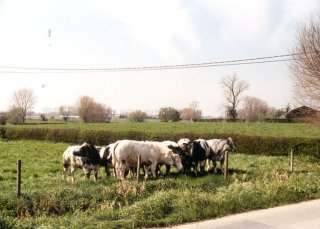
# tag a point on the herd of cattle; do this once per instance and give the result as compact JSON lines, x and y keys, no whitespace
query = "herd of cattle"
{"x":122,"y":156}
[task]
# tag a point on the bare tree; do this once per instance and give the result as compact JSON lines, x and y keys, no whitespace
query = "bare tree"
{"x":190,"y":113}
{"x":91,"y":111}
{"x":305,"y":68}
{"x":233,"y":87}
{"x":22,"y":101}
{"x":254,"y":109}
{"x":84,"y":107}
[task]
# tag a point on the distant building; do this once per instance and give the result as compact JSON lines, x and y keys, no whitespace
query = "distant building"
{"x":303,"y":114}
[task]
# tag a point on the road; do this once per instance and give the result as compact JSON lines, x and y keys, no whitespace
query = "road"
{"x":305,"y":215}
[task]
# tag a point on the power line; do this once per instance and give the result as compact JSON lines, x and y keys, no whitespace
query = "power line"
{"x":248,"y":61}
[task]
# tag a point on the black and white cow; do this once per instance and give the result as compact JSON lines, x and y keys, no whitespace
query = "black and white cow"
{"x":199,"y":152}
{"x":219,"y":147}
{"x":106,"y":157}
{"x":85,"y":156}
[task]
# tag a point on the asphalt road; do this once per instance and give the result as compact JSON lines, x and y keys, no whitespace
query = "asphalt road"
{"x":305,"y":215}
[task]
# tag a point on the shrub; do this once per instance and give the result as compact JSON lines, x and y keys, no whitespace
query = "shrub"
{"x":167,"y":114}
{"x":137,"y":116}
{"x":43,"y":117}
{"x":3,"y":118}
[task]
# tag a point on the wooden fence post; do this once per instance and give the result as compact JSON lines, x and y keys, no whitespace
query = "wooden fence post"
{"x":226,"y":165}
{"x":18,"y":178}
{"x":138,"y":168}
{"x":291,"y":160}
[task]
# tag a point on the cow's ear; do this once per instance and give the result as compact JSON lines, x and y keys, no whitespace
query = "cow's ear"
{"x":229,"y":140}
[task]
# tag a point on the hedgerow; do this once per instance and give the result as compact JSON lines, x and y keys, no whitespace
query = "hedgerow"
{"x":248,"y":144}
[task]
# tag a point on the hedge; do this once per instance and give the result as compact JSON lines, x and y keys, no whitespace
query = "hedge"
{"x":244,"y":143}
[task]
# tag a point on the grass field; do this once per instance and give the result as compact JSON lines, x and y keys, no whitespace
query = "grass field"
{"x":259,"y":129}
{"x":49,"y":202}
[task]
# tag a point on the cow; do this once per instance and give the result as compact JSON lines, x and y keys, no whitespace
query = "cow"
{"x":219,"y":147}
{"x":126,"y":153}
{"x":106,"y":157}
{"x":85,"y":156}
{"x":199,"y":152}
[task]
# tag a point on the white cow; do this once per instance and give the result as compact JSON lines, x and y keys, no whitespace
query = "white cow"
{"x":126,"y":153}
{"x":177,"y":153}
{"x":219,"y":147}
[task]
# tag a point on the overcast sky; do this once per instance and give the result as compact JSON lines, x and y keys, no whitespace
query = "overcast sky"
{"x":108,"y":34}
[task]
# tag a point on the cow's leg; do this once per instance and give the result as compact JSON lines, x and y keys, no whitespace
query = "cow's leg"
{"x":214,"y":166}
{"x":158,"y":169}
{"x":202,"y":166}
{"x":146,"y":171}
{"x":222,"y":165}
{"x":117,"y":170}
{"x":153,"y":169}
{"x":106,"y":169}
{"x":168,"y":167}
{"x":208,"y":164}
{"x":195,"y":168}
{"x":86,"y":172}
{"x":65,"y":168}
{"x":72,"y":173}
{"x":133,"y":171}
{"x":96,"y":170}
{"x":122,"y":169}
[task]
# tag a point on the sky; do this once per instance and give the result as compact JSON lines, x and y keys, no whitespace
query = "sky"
{"x":117,"y":33}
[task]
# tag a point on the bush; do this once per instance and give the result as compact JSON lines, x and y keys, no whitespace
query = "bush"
{"x":167,"y":114}
{"x":3,"y":118}
{"x":244,"y":143}
{"x":137,"y":116}
{"x":43,"y":117}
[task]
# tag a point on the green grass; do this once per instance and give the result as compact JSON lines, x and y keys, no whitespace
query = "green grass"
{"x":49,"y":202}
{"x":258,"y":129}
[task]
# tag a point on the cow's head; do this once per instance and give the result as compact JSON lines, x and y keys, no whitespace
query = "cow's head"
{"x":177,"y":162}
{"x":231,"y":145}
{"x":87,"y":152}
{"x":176,"y":149}
{"x":185,"y":144}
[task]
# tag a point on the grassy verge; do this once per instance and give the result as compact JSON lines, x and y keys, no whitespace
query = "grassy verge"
{"x":256,"y":182}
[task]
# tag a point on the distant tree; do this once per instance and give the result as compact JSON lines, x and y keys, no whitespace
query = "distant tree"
{"x":254,"y":109}
{"x":282,"y":112}
{"x":305,"y":67}
{"x":167,"y":114}
{"x":137,"y":116}
{"x":233,"y":88}
{"x":43,"y":117}
{"x":91,"y":111}
{"x":22,"y":101}
{"x":66,"y":112}
{"x":190,"y":113}
{"x":3,"y":118}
